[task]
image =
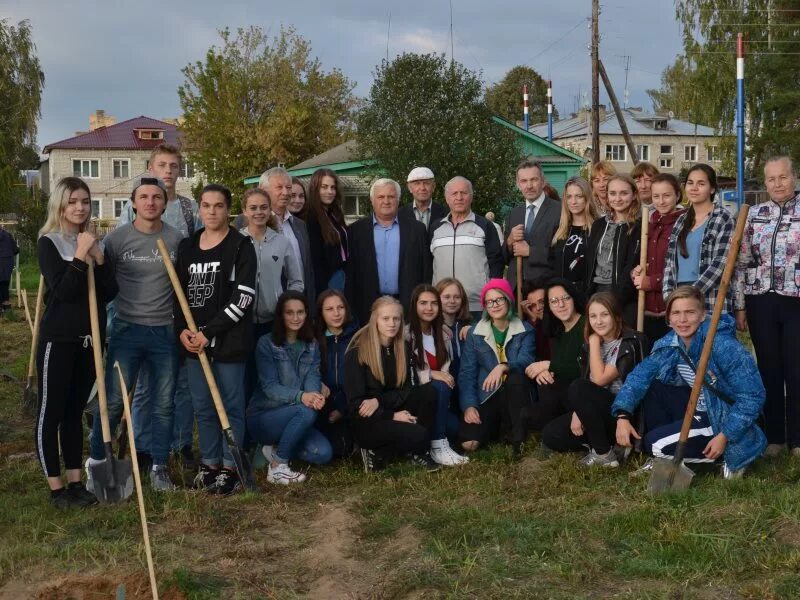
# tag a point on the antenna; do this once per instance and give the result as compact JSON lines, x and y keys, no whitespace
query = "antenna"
{"x":388,"y":31}
{"x":625,"y":93}
{"x":452,"y":53}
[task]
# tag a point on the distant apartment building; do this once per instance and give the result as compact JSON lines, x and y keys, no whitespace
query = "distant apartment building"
{"x":670,"y":144}
{"x":109,"y":157}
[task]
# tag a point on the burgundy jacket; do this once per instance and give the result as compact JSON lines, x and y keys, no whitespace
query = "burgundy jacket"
{"x":657,"y":243}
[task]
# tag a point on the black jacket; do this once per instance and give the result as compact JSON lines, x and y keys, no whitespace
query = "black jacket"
{"x":66,"y":293}
{"x":438,"y":211}
{"x":626,"y":252}
{"x":537,"y":264}
{"x":231,"y":328}
{"x":362,"y":286}
{"x":326,"y":258}
{"x":360,"y":385}
{"x":632,"y":351}
{"x":560,"y":268}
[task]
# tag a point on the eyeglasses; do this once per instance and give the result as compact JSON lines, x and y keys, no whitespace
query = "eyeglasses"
{"x":560,"y":300}
{"x":495,"y":302}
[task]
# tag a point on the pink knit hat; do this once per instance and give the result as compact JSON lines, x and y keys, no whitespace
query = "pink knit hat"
{"x":500,"y":285}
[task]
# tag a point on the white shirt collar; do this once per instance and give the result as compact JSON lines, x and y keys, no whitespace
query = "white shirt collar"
{"x":537,"y":203}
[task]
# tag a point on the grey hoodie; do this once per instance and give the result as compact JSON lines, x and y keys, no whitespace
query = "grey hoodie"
{"x":276,"y":259}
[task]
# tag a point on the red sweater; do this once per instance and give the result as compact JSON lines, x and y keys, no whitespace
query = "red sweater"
{"x":657,"y":243}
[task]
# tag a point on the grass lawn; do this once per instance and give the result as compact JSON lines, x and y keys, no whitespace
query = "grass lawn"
{"x":538,"y":528}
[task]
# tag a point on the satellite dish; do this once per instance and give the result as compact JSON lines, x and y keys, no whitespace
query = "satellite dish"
{"x":671,"y":114}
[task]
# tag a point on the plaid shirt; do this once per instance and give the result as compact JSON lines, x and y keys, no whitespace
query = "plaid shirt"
{"x":713,"y":253}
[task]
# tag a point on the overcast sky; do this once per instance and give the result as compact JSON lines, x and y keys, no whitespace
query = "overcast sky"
{"x":126,"y":57}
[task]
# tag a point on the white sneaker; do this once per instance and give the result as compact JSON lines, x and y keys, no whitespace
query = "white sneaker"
{"x":728,"y":473}
{"x":268,"y":454}
{"x":283,"y":475}
{"x":442,"y":453}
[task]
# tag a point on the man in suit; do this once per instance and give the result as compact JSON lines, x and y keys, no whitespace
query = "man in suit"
{"x":421,"y":184}
{"x":531,"y":226}
{"x":278,"y":184}
{"x":388,"y":255}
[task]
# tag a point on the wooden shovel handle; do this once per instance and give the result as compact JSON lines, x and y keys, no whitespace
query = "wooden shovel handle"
{"x":519,"y":288}
{"x":187,"y":315}
{"x":97,"y":352}
{"x":643,"y":265}
{"x":37,"y":321}
{"x":705,"y":356}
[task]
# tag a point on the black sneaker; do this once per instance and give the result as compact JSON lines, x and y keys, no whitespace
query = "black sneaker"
{"x":81,"y":495}
{"x":145,"y":461}
{"x":187,"y":458}
{"x":227,"y":482}
{"x":372,"y":462}
{"x":206,"y":478}
{"x":63,"y":500}
{"x":425,"y":461}
{"x":516,"y":450}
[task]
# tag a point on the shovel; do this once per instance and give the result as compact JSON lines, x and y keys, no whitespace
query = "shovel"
{"x":111,"y":477}
{"x":643,"y":266}
{"x":242,"y":464}
{"x":29,"y":396}
{"x":672,"y":475}
{"x":519,"y":288}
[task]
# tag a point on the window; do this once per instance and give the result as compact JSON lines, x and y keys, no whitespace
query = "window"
{"x":665,"y":163}
{"x":119,"y":204}
{"x":713,"y":153}
{"x":187,"y":169}
{"x":666,"y":149}
{"x":615,"y":152}
{"x":121,"y":168}
{"x":97,"y":208}
{"x":643,"y":151}
{"x":355,"y":205}
{"x":86,"y":168}
{"x":690,"y":153}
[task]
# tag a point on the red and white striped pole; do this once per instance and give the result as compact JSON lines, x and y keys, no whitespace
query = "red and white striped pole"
{"x":525,"y":106}
{"x":549,"y":111}
{"x":739,"y":120}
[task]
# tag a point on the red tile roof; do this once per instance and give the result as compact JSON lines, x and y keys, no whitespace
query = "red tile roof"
{"x":121,"y":136}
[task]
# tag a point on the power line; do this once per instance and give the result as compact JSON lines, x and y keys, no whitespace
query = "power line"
{"x":578,"y":24}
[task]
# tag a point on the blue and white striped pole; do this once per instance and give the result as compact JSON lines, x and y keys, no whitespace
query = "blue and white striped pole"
{"x":525,"y":105}
{"x":739,"y":120}
{"x":549,"y":111}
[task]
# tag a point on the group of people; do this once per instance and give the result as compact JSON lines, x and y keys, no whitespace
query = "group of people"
{"x":399,"y":336}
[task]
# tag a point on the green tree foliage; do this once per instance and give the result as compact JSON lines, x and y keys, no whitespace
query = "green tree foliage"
{"x":21,"y":83}
{"x":423,"y":111}
{"x":257,"y":101}
{"x":505,"y":97}
{"x":701,"y":84}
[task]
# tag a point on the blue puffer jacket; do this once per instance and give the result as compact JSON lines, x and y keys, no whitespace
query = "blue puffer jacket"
{"x":479,"y":357}
{"x":731,"y":370}
{"x":333,"y":377}
{"x":282,"y":378}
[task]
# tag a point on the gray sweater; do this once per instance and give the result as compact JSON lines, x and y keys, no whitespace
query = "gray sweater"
{"x":276,"y":263}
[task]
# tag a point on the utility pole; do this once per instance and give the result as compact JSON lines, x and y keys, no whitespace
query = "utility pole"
{"x":595,"y":82}
{"x":620,"y":116}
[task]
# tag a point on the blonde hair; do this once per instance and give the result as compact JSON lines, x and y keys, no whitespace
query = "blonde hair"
{"x":685,"y":292}
{"x":604,"y":167}
{"x":589,"y":211}
{"x":58,"y":202}
{"x":272,"y":222}
{"x":635,"y":209}
{"x":367,"y":341}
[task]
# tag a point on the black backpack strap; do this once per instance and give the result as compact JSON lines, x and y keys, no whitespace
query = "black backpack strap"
{"x":706,"y":383}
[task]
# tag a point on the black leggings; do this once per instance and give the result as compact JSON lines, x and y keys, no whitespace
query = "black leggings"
{"x":551,"y":402}
{"x":592,"y":403}
{"x":387,"y":436}
{"x":66,"y":374}
{"x":502,"y":415}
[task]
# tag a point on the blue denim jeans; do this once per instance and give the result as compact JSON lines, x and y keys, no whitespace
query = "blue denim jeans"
{"x":183,"y":419}
{"x":230,"y":381}
{"x":445,"y":421}
{"x":141,"y":349}
{"x":291,"y":429}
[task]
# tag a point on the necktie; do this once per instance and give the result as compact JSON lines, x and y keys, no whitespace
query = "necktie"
{"x":529,"y":218}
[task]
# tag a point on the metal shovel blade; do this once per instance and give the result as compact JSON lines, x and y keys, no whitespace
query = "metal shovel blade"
{"x":112,"y":480}
{"x":243,"y":470}
{"x":669,"y":476}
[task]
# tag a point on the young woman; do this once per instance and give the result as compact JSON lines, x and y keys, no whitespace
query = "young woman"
{"x":568,"y":250}
{"x":297,"y":203}
{"x":430,"y":345}
{"x":276,"y":260}
{"x":533,"y":301}
{"x":614,"y":246}
{"x":327,"y":230}
{"x":724,"y":423}
{"x":456,"y":315}
{"x":335,"y":328}
{"x":564,"y":326}
{"x":607,"y":357}
{"x":388,"y":416}
{"x":493,"y":390}
{"x":64,"y":358}
{"x":700,"y":240}
{"x":601,"y":173}
{"x":665,"y":193}
{"x":286,"y":404}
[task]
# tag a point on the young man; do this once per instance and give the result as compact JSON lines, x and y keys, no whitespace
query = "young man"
{"x":142,"y":333}
{"x":217,"y":269}
{"x":181,"y":213}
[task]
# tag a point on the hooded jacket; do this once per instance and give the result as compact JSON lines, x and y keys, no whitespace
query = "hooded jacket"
{"x":732,"y":372}
{"x":625,"y":251}
{"x":333,"y":348}
{"x":276,"y":263}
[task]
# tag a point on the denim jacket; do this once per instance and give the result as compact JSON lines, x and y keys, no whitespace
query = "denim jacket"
{"x":732,"y":373}
{"x":282,"y":379}
{"x":479,"y":357}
